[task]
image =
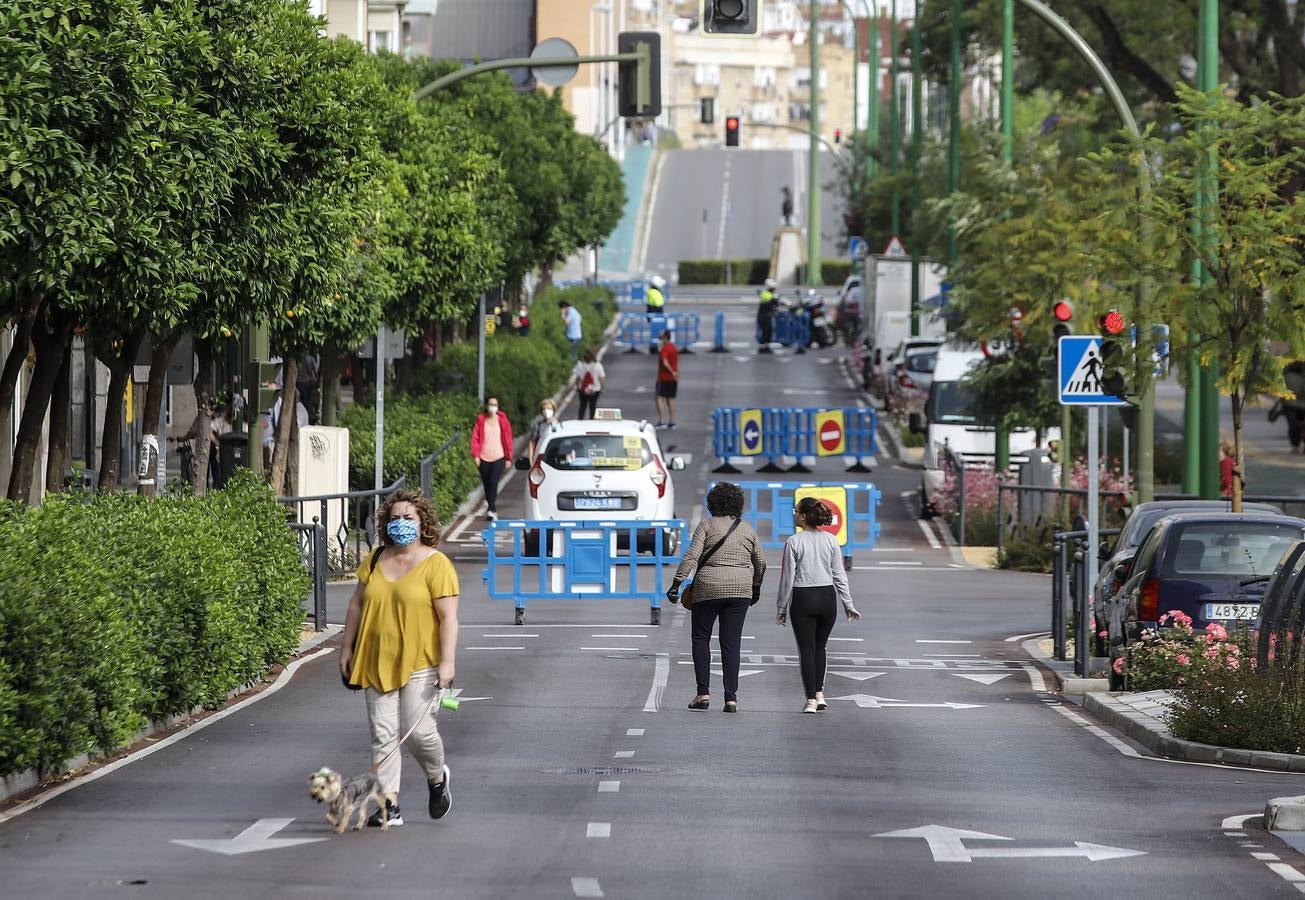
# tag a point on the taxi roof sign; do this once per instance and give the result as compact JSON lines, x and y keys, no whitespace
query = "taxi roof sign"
{"x":607,"y":414}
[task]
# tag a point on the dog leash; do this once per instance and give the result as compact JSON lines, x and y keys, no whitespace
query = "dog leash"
{"x":441,"y":695}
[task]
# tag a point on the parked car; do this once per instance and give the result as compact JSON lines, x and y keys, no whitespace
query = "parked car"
{"x":1282,"y":609}
{"x":1205,"y":564}
{"x":602,"y":469}
{"x":1139,"y":522}
{"x":910,"y":366}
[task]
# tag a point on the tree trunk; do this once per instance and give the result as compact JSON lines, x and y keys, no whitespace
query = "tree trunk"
{"x":437,"y":340}
{"x":1237,"y":403}
{"x":292,"y":458}
{"x":151,"y":421}
{"x":120,"y":366}
{"x":204,"y":416}
{"x":50,"y":341}
{"x":17,"y":356}
{"x":329,"y":377}
{"x":287,"y":418}
{"x":60,"y":411}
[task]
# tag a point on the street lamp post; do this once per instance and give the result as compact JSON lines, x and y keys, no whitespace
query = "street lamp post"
{"x":813,"y":153}
{"x":1206,"y":449}
{"x":895,"y":123}
{"x":954,"y":131}
{"x":1007,"y":79}
{"x":917,"y":148}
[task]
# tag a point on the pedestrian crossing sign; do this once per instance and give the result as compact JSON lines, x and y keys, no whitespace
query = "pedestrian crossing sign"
{"x":1081,"y":370}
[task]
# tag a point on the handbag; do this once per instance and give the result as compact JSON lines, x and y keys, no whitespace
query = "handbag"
{"x":376,"y":557}
{"x":686,"y":598}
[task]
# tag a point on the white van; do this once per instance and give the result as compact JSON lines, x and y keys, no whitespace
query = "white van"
{"x":949,"y":422}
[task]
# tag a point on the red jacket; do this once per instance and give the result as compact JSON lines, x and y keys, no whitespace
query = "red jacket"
{"x":478,"y":435}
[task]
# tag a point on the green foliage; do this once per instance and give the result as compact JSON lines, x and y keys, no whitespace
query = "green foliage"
{"x":124,"y":610}
{"x":1027,"y":548}
{"x":714,"y":271}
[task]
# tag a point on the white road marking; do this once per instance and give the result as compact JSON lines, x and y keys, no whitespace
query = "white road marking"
{"x":955,"y":655}
{"x":1098,"y":731}
{"x":911,"y":571}
{"x":661,"y":672}
{"x":870,"y":701}
{"x":1234,"y":833}
{"x":948,"y":845}
{"x":609,"y":787}
{"x":981,"y":679}
{"x":609,"y":648}
{"x":940,"y":641}
{"x":634,"y":732}
{"x":598,"y":830}
{"x":743,"y":673}
{"x":1286,"y":872}
{"x":282,"y":680}
{"x":857,"y":676}
{"x":848,"y":640}
{"x":584,"y":625}
{"x":513,"y":635}
{"x":623,"y":754}
{"x":1238,"y":822}
{"x":900,"y":562}
{"x":493,"y":648}
{"x":928,"y":534}
{"x":254,"y":838}
{"x":586,"y":887}
{"x":1036,"y":681}
{"x":627,"y":636}
{"x":1266,"y":857}
{"x":1025,"y":637}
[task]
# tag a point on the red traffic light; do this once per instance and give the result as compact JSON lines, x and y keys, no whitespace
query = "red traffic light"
{"x":731,"y":123}
{"x":1063,"y":311}
{"x":838,"y":135}
{"x":1112,"y":322}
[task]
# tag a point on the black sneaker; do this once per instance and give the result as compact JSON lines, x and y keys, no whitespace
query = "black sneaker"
{"x":392,"y":811}
{"x":441,"y":798}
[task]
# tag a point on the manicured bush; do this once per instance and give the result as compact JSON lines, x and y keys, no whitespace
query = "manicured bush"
{"x":715,"y":271}
{"x":123,"y":610}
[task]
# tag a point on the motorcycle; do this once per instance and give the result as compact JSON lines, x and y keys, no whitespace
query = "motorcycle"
{"x":822,"y":330}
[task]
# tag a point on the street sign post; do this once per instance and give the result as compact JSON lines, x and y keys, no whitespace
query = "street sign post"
{"x":857,"y":248}
{"x":750,"y":430}
{"x":895,"y":248}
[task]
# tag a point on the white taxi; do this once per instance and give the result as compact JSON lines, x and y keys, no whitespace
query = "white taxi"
{"x":603,"y":468}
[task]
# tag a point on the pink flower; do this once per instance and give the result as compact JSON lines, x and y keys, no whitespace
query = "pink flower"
{"x":1183,"y":659}
{"x":1216,"y":632}
{"x":1212,"y":653}
{"x":1103,"y":634}
{"x":1180,"y":617}
{"x":1232,"y":663}
{"x":1164,"y":618}
{"x":1119,"y":666}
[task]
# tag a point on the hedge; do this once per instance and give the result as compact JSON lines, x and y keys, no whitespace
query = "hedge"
{"x":833,"y":272}
{"x":125,"y":610}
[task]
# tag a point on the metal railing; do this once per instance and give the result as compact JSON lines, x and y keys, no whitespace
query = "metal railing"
{"x":1070,"y":590}
{"x":312,"y":548}
{"x":349,"y":520}
{"x":956,"y":463}
{"x":1019,"y":490}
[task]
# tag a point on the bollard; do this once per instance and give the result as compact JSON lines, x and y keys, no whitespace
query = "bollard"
{"x":1057,"y":626}
{"x":720,"y":334}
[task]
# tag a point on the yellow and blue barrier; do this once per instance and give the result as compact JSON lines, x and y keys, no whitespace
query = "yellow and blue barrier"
{"x":582,"y":560}
{"x":635,"y":331}
{"x":796,"y":437}
{"x":768,"y":508}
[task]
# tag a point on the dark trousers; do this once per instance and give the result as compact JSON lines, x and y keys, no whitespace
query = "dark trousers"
{"x":767,"y":325}
{"x":731,"y":613}
{"x":812,"y":614}
{"x":1295,"y":418}
{"x":490,"y":475}
{"x":588,"y":403}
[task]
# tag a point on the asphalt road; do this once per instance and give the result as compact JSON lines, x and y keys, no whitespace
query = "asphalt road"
{"x":572,"y":779}
{"x":719,"y":204}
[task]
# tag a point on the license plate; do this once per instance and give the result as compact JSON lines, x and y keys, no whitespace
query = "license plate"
{"x":597,"y":502}
{"x":1238,"y":612}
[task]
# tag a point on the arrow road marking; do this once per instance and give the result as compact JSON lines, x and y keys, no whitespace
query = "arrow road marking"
{"x":869,"y":701}
{"x":254,"y":838}
{"x":948,"y":845}
{"x":743,"y":673}
{"x":982,"y":679}
{"x":858,"y":676}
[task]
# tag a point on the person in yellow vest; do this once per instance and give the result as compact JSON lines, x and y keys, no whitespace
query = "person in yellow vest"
{"x":656,"y":301}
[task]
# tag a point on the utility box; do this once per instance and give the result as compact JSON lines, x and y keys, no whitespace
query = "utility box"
{"x":1039,"y":471}
{"x":324,"y":469}
{"x":233,"y":453}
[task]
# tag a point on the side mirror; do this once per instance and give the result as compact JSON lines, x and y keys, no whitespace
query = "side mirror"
{"x":915,"y":423}
{"x":677,"y":464}
{"x":522,"y":464}
{"x":1121,"y":572}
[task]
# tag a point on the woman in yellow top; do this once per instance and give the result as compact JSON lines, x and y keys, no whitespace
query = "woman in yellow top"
{"x":400,"y":638}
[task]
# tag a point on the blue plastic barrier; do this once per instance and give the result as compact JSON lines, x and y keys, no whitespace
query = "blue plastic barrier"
{"x":768,"y":508}
{"x":792,"y":329}
{"x":779,"y":432}
{"x":580,"y":560}
{"x":635,"y":331}
{"x":719,"y":344}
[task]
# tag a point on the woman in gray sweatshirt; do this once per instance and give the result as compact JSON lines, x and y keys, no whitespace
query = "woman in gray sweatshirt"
{"x":812,"y":582}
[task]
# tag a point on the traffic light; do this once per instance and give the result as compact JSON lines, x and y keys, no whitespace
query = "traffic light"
{"x":1115,"y":344}
{"x":639,"y":85}
{"x":707,"y":110}
{"x":838,"y":135}
{"x":732,"y":18}
{"x":731,"y":131}
{"x":1063,"y":312}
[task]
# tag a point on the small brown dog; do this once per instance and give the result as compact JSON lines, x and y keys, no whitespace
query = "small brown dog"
{"x":345,"y":798}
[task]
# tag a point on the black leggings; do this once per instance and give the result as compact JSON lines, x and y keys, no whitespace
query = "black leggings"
{"x":490,"y":474}
{"x":812,"y":615}
{"x":732,"y":612}
{"x":588,"y":403}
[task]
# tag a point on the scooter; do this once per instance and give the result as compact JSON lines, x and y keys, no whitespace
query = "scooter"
{"x":822,"y":331}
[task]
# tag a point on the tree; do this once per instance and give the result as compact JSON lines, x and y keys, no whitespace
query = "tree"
{"x":1250,"y":242}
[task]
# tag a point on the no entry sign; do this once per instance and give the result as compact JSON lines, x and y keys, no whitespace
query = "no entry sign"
{"x":836,"y":499}
{"x":831,"y":434}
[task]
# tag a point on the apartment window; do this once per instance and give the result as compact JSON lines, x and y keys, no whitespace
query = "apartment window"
{"x":707,"y":74}
{"x":379,"y":40}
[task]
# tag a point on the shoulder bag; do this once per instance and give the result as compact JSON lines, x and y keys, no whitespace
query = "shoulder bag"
{"x":686,"y":598}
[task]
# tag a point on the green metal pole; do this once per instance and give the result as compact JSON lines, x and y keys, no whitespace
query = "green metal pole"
{"x":917,"y":148}
{"x":1208,"y":77}
{"x":1007,"y":79}
{"x":872,"y":122}
{"x":856,"y":73}
{"x":813,"y":153}
{"x":895,"y":124}
{"x":954,"y":131}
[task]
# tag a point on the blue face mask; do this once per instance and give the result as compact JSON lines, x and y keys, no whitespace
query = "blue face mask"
{"x":402,"y":531}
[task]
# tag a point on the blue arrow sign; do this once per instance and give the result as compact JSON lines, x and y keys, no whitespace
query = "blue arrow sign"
{"x":1081,"y":371}
{"x":751,"y":437}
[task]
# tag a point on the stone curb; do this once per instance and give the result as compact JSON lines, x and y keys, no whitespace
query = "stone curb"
{"x":1150,"y":733}
{"x":1066,"y":681}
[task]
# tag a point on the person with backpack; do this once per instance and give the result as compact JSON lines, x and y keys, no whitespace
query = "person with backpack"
{"x":588,"y":378}
{"x":546,"y":420}
{"x":399,"y":644}
{"x":812,"y":582}
{"x":729,"y":566}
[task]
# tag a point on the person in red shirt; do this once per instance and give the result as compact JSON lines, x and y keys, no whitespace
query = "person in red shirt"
{"x":1227,"y":469}
{"x":668,"y":381}
{"x":491,"y":450}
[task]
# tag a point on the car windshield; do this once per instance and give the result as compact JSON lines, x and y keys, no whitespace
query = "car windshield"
{"x":1229,"y":548}
{"x":598,"y":451}
{"x":952,"y":403}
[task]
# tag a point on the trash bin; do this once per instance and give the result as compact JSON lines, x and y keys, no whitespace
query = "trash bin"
{"x":233,"y":453}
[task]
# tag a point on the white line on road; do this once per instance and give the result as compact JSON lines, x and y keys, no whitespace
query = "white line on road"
{"x":583,"y":625}
{"x":1098,"y":731}
{"x":282,"y":680}
{"x":627,"y":636}
{"x":493,"y":648}
{"x":598,"y":830}
{"x":513,"y":635}
{"x":848,"y":640}
{"x":623,"y":754}
{"x":955,"y":655}
{"x":940,"y":641}
{"x":1036,"y":681}
{"x":1286,"y":872}
{"x":586,"y":887}
{"x":902,"y":570}
{"x":928,"y":534}
{"x":1025,"y":637}
{"x":661,"y":672}
{"x":1238,"y":821}
{"x":610,"y":648}
{"x":609,"y":787}
{"x":634,"y":732}
{"x":1266,"y":857}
